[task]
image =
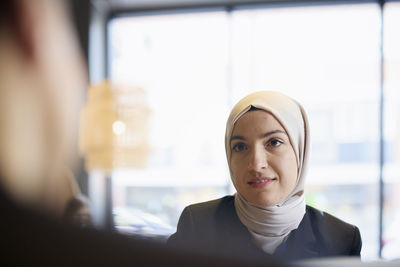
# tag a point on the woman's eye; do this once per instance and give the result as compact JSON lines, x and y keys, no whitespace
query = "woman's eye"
{"x":239,"y":147}
{"x":274,"y":142}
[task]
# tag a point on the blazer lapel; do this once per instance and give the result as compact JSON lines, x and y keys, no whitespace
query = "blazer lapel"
{"x":233,"y":229}
{"x":302,"y":242}
{"x":236,"y":237}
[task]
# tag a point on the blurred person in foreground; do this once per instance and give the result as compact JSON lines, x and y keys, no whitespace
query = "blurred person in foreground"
{"x":266,"y":144}
{"x":41,"y":78}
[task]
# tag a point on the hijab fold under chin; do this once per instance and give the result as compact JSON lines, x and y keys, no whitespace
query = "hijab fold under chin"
{"x":270,"y":226}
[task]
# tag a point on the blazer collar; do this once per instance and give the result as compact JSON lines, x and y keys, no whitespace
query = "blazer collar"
{"x":231,"y":223}
{"x":237,"y":237}
{"x":302,"y":242}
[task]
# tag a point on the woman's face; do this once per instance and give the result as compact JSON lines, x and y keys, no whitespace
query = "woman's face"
{"x":263,"y":163}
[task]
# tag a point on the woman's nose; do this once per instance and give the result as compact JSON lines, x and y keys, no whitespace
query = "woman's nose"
{"x":257,"y":160}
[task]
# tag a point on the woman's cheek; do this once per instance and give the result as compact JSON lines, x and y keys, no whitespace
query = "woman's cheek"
{"x":235,"y":174}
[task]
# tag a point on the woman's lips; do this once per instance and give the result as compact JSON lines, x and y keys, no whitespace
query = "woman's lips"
{"x":260,"y":182}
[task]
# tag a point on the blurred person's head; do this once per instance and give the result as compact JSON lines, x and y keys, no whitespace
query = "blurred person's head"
{"x":41,"y":78}
{"x":266,"y":146}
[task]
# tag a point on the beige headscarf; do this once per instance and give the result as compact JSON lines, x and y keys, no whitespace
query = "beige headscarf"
{"x":270,"y":226}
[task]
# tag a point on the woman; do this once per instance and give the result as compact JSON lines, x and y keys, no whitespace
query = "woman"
{"x":266,"y":143}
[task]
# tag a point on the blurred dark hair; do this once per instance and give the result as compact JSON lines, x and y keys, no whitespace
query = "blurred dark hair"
{"x":73,"y":206}
{"x":8,"y":11}
{"x":253,"y":108}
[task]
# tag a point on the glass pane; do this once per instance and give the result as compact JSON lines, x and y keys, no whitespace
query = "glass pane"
{"x":391,"y":230}
{"x":331,"y":66}
{"x":180,"y":61}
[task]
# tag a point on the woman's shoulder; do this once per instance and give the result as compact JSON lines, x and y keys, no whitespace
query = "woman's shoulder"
{"x":205,"y":224}
{"x":336,"y":234}
{"x":208,"y":217}
{"x":326,"y":220}
{"x":212,"y":205}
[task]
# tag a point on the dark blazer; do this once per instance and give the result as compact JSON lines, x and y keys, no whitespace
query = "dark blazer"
{"x":214,"y":225}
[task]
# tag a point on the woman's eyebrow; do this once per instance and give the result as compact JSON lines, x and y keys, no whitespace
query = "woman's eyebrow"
{"x":239,"y":137}
{"x":272,"y":132}
{"x":236,"y":137}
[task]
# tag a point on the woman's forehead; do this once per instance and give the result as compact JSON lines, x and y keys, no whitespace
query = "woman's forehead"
{"x":257,"y":120}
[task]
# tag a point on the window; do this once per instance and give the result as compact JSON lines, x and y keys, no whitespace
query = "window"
{"x":180,"y":60}
{"x":194,"y":65}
